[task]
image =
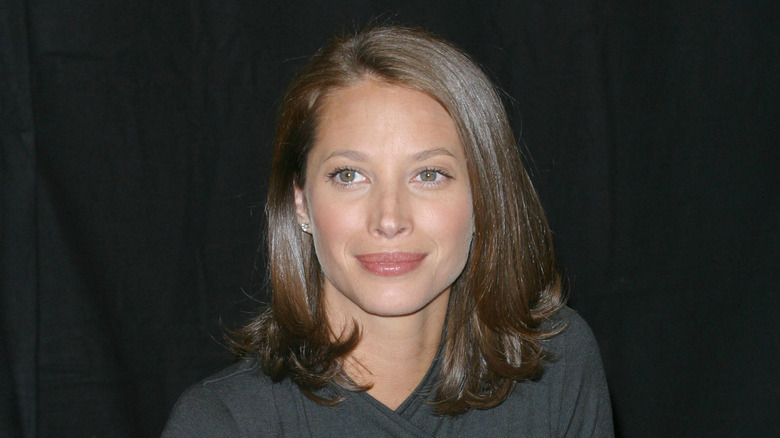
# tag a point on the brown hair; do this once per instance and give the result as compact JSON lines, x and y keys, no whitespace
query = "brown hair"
{"x":510,"y":283}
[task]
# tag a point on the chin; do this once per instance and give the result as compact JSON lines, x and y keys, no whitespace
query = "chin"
{"x":378,"y":298}
{"x":394,"y":305}
{"x":392,"y":312}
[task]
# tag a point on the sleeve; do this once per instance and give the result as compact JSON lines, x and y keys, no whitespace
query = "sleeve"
{"x":200,"y":412}
{"x":585,"y":408}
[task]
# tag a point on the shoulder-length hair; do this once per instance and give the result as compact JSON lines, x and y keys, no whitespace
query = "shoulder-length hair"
{"x":510,"y":283}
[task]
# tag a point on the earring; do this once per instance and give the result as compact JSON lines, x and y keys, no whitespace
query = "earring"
{"x":305,"y":227}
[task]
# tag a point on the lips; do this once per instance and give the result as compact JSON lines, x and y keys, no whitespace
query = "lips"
{"x":389,"y":264}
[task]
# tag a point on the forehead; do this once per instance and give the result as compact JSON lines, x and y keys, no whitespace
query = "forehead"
{"x":370,"y":115}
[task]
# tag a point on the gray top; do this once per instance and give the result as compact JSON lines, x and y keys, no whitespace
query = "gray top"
{"x":570,"y":399}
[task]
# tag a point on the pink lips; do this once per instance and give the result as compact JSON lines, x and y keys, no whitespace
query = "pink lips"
{"x":388,"y":264}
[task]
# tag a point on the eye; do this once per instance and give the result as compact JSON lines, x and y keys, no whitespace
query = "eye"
{"x":432,"y":176}
{"x":429,"y":175}
{"x":346,"y":176}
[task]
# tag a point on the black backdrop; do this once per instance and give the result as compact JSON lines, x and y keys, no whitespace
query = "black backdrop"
{"x":135,"y":152}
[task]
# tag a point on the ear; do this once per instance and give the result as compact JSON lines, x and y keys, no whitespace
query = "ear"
{"x":301,"y":209}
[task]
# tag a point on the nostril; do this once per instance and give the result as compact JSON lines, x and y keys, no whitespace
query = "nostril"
{"x":391,"y":215}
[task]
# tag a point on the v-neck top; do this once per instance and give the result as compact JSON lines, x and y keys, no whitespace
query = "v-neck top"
{"x":570,"y":399}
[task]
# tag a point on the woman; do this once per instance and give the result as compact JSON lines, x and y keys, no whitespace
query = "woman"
{"x":415,"y":291}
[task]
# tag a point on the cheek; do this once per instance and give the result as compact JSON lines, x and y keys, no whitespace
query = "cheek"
{"x":333,"y":223}
{"x":453,"y":223}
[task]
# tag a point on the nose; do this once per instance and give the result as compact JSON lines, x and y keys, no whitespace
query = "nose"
{"x":390,"y":212}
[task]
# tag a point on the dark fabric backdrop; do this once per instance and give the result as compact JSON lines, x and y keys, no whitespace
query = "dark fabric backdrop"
{"x":135,"y":150}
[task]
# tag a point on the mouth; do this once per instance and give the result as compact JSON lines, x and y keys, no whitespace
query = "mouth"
{"x":388,"y":264}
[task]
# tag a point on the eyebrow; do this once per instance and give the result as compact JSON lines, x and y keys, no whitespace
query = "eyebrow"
{"x":352,"y":155}
{"x":420,"y":156}
{"x":424,"y":155}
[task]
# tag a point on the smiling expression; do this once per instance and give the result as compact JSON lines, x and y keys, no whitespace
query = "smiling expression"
{"x":388,"y":200}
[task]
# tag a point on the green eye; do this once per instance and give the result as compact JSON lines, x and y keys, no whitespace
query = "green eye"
{"x":346,"y":175}
{"x":428,"y":175}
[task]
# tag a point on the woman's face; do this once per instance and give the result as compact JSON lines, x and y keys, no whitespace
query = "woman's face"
{"x":388,"y":201}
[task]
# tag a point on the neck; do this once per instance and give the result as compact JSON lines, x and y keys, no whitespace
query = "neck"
{"x":395,"y":353}
{"x":393,"y":362}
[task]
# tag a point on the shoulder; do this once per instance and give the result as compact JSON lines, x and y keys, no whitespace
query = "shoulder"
{"x":228,"y":403}
{"x":570,"y":399}
{"x":575,"y":335}
{"x":575,"y":379}
{"x":572,"y":354}
{"x":238,"y":381}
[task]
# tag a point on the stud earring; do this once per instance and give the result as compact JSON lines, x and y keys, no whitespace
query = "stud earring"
{"x":305,"y":227}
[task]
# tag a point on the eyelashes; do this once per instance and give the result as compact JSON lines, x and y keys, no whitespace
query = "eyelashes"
{"x":433,"y":174}
{"x":349,"y":176}
{"x":346,"y":176}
